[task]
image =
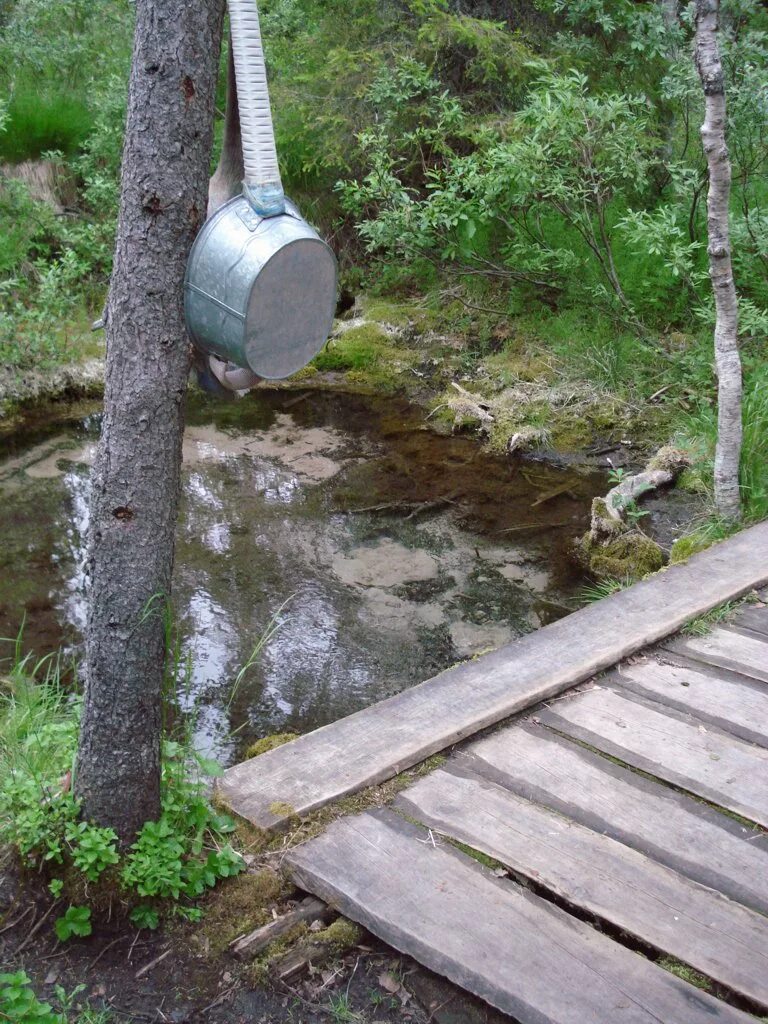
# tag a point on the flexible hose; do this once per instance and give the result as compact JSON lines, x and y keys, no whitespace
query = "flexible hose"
{"x":262,"y":185}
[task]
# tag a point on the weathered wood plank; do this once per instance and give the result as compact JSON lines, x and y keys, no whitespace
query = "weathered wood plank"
{"x":658,"y":740}
{"x":738,"y":652}
{"x":661,"y":822}
{"x":754,"y":618}
{"x":736,"y":705}
{"x":381,"y":741}
{"x":595,"y":873}
{"x":511,"y":948}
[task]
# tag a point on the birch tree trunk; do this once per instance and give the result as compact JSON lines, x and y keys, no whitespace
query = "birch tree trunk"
{"x":729,"y":426}
{"x":136,"y":479}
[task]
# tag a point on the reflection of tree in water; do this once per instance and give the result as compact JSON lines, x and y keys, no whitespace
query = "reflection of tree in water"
{"x":270,"y":514}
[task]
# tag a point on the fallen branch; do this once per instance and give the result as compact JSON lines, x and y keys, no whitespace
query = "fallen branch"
{"x":610,"y":513}
{"x":246,"y":947}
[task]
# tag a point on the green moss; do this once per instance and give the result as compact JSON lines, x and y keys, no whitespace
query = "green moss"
{"x":689,"y":545}
{"x":237,"y":906}
{"x":670,"y":460}
{"x":630,"y":555}
{"x":355,"y":349}
{"x":368,"y":358}
{"x":681,"y":970}
{"x":281,"y":809}
{"x":571,"y":433}
{"x":340,"y":935}
{"x":398,"y":314}
{"x":266,"y":743}
{"x":305,"y":372}
{"x":690,"y":480}
{"x":482,"y":858}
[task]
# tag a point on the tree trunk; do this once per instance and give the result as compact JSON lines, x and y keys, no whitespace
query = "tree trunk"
{"x":729,"y":428}
{"x":137,"y":474}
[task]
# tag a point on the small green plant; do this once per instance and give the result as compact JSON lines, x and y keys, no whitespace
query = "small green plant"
{"x":76,"y":921}
{"x":616,"y":474}
{"x":19,"y":1003}
{"x":633,"y":512}
{"x":144,"y":916}
{"x":173,"y":860}
{"x":341,"y":1010}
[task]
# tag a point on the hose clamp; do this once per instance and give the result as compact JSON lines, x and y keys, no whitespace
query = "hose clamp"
{"x":267,"y":200}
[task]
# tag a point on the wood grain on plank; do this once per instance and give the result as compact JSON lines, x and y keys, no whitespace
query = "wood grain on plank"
{"x":736,"y":705}
{"x":754,"y":618}
{"x":661,"y":907}
{"x":658,"y":740}
{"x":511,"y":948}
{"x":661,"y":822}
{"x":380,"y":741}
{"x":738,"y":652}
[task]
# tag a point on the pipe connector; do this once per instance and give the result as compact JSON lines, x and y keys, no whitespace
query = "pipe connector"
{"x":268,"y":200}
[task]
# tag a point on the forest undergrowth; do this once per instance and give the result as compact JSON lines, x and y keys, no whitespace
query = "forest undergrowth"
{"x":519,"y":191}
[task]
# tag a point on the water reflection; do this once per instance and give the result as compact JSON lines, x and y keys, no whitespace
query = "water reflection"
{"x":392,"y":551}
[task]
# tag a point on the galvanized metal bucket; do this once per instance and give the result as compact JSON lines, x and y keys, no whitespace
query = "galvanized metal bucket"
{"x":260,"y":291}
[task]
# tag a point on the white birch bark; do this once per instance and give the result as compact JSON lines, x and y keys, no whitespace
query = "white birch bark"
{"x":728,"y":364}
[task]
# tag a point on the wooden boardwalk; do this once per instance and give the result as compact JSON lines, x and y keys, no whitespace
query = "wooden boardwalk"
{"x":618,"y":825}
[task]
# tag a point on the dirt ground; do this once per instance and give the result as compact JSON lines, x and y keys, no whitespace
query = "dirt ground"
{"x":158,"y":977}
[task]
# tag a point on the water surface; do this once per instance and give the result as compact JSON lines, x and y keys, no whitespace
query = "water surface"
{"x":393,"y":552}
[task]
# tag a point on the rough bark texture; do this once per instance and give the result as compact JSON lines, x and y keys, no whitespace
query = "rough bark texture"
{"x":136,"y":479}
{"x":727,"y":360}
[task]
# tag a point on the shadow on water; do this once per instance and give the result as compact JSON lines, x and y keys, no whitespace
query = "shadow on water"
{"x":394,"y":551}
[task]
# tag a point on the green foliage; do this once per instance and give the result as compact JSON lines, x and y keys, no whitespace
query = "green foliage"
{"x":19,"y":1003}
{"x":700,"y":433}
{"x":76,"y":921}
{"x":39,"y":122}
{"x":173,"y":859}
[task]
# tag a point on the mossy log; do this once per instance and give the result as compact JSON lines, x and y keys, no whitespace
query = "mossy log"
{"x":611,"y":548}
{"x":662,"y":471}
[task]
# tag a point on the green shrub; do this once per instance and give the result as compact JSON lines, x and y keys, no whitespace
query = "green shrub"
{"x":172,"y":861}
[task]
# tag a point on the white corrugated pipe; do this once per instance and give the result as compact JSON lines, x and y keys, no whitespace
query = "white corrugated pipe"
{"x":262,"y":186}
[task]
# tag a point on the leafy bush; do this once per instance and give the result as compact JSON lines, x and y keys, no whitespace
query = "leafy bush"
{"x":173,"y":860}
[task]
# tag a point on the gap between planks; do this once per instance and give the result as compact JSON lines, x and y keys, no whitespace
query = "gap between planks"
{"x":511,"y":948}
{"x":599,"y":875}
{"x":669,"y":745}
{"x":668,"y":825}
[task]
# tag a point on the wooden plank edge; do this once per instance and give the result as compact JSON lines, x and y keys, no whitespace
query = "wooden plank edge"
{"x":619,"y":926}
{"x":408,"y":942}
{"x":661,"y":773}
{"x":633,"y":689}
{"x":280,"y":813}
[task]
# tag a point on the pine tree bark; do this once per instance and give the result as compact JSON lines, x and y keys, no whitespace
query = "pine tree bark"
{"x":136,"y":481}
{"x":728,"y":363}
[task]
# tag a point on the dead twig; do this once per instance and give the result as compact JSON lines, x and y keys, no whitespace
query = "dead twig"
{"x":17,"y":920}
{"x":109,"y":946}
{"x":152,"y":964}
{"x":221,"y":997}
{"x":36,"y":928}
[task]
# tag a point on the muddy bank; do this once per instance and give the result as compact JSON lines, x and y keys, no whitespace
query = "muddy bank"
{"x":64,"y":383}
